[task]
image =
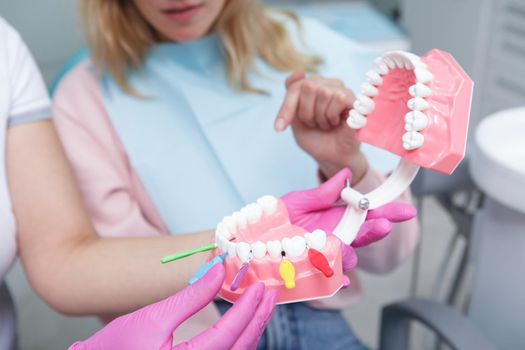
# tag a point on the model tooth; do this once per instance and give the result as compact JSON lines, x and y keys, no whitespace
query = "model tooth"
{"x":253,"y":212}
{"x":231,"y":248}
{"x":316,"y":239}
{"x":364,"y":104}
{"x":413,"y":115}
{"x":369,"y":89}
{"x":415,"y":59}
{"x":258,"y":249}
{"x":381,"y":66}
{"x":399,"y":61}
{"x":240,"y":219}
{"x":221,"y":231}
{"x":244,"y":251}
{"x":274,"y":248}
{"x":294,"y":247}
{"x":223,"y":244}
{"x":413,"y":140}
{"x":417,"y":104}
{"x":419,"y":90}
{"x":268,"y":204}
{"x":229,"y":224}
{"x":374,"y":78}
{"x":423,"y":75}
{"x":356,"y":120}
{"x":409,"y":65}
{"x":389,"y":62}
{"x":415,"y":121}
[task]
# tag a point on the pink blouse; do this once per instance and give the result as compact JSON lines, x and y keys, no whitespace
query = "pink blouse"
{"x":120,"y":206}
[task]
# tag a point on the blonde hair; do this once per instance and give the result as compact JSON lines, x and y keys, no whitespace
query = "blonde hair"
{"x":119,"y":38}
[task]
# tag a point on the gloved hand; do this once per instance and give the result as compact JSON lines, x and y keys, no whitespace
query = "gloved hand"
{"x":316,"y":208}
{"x":152,"y":326}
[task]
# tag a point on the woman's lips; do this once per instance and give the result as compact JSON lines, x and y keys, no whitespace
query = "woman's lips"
{"x":184,"y":14}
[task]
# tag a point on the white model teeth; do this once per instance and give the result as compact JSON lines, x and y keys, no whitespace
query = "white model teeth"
{"x":399,"y":61}
{"x":253,"y":212}
{"x":417,"y":104}
{"x":231,"y":248}
{"x":415,"y":121}
{"x":419,"y":90}
{"x":364,"y":104}
{"x":316,"y":239}
{"x":381,"y":66}
{"x":369,"y":89}
{"x":229,"y":225}
{"x":268,"y":204}
{"x":219,"y":237}
{"x":374,"y":78}
{"x":294,"y":247}
{"x":389,"y":62}
{"x":258,"y":249}
{"x":356,"y":120}
{"x":274,"y":248}
{"x":423,"y":75}
{"x":412,"y":140}
{"x":244,"y":251}
{"x":240,"y":219}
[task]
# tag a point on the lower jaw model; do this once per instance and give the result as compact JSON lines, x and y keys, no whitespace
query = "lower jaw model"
{"x":263,"y":246}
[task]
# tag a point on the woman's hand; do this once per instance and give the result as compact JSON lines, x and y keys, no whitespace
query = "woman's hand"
{"x":317,"y":109}
{"x":152,"y":326}
{"x":317,"y":208}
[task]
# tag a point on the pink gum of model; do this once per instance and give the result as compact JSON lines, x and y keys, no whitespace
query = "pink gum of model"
{"x":448,"y":114}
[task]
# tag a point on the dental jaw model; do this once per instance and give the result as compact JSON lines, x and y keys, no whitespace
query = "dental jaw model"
{"x":262,"y":245}
{"x":415,"y":107}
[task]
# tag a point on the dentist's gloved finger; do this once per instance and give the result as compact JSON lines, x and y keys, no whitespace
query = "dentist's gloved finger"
{"x":318,"y":198}
{"x":169,"y":313}
{"x":328,"y":193}
{"x":348,"y":257}
{"x":371,"y":231}
{"x":229,"y":328}
{"x":251,"y":335}
{"x":288,"y":109}
{"x":394,"y":211}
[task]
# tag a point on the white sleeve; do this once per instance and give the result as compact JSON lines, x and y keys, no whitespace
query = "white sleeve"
{"x":29,"y":100}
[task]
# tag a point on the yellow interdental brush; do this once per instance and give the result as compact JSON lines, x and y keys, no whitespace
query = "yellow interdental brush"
{"x":287,"y":271}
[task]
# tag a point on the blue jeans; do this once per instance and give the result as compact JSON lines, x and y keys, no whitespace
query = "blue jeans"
{"x":300,"y":327}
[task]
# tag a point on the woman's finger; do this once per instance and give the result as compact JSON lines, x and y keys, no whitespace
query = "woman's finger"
{"x":338,"y":105}
{"x":305,"y":112}
{"x":288,"y":109}
{"x":294,"y":77}
{"x":324,"y":96}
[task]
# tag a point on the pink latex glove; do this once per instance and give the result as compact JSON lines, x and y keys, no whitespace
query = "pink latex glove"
{"x":317,"y":208}
{"x":152,"y":326}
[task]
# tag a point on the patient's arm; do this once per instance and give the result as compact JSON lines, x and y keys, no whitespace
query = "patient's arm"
{"x":67,"y":263}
